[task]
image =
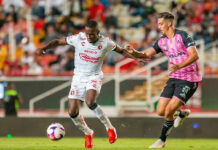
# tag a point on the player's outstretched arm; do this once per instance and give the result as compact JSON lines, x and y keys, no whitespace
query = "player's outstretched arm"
{"x":124,"y":52}
{"x":141,"y":55}
{"x":52,"y":44}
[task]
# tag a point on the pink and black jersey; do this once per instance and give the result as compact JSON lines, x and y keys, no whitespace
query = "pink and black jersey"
{"x":176,"y":51}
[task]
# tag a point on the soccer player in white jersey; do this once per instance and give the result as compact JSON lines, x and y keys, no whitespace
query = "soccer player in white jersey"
{"x":180,"y":49}
{"x":90,"y":49}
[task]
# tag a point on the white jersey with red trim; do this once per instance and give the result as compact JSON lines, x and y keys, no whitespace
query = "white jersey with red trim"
{"x":89,"y":56}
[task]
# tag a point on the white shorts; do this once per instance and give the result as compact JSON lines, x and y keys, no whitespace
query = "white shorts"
{"x":81,"y":84}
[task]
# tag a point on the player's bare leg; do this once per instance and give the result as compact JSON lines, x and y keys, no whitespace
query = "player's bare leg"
{"x":179,"y":115}
{"x":161,"y":106}
{"x":170,"y":109}
{"x":91,"y":102}
{"x":78,"y":120}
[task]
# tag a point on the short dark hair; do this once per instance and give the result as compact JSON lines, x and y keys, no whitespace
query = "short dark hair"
{"x":166,"y":15}
{"x":92,"y":24}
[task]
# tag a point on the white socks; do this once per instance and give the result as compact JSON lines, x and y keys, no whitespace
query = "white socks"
{"x":81,"y":124}
{"x":102,"y":117}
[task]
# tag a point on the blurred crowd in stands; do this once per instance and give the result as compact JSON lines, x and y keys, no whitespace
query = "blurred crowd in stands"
{"x":123,"y":20}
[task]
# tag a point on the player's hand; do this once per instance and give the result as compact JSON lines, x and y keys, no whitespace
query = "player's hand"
{"x":129,"y":48}
{"x":172,"y":68}
{"x":40,"y":51}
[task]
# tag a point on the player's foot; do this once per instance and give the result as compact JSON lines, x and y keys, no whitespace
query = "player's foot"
{"x":112,"y":135}
{"x":158,"y":144}
{"x":180,"y":118}
{"x":88,"y":140}
{"x":176,"y":114}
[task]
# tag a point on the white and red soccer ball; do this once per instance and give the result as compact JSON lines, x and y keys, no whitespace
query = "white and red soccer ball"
{"x":55,"y":131}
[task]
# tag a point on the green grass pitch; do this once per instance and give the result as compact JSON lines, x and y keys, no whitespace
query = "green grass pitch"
{"x":31,"y":143}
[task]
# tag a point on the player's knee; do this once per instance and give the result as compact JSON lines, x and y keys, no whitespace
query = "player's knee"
{"x":168,"y":114}
{"x":93,"y":106}
{"x":160,"y":112}
{"x":73,"y":113}
{"x":90,"y":103}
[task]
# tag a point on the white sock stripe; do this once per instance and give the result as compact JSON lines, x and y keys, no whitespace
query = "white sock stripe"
{"x":81,"y":124}
{"x":82,"y":120}
{"x":169,"y":130}
{"x":99,"y":113}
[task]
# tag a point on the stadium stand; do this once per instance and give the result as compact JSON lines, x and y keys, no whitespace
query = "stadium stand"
{"x":123,"y":21}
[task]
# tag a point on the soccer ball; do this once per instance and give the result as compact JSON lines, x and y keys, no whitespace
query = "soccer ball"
{"x":55,"y":131}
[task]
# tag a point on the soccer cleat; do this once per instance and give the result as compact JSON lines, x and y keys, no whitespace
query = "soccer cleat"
{"x":158,"y":144}
{"x":88,"y":140}
{"x":179,"y":120}
{"x":176,"y":114}
{"x":112,"y":135}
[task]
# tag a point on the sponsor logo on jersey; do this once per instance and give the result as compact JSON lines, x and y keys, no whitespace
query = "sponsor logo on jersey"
{"x":83,"y":43}
{"x":90,"y":51}
{"x":176,"y":55}
{"x":93,"y":81}
{"x":99,"y":47}
{"x":88,"y":58}
{"x":82,"y":39}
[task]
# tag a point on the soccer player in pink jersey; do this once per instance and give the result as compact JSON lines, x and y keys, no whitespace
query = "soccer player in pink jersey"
{"x":184,"y":73}
{"x":90,"y":49}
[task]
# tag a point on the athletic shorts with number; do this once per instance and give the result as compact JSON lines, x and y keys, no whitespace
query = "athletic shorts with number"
{"x":181,"y":89}
{"x":81,"y":84}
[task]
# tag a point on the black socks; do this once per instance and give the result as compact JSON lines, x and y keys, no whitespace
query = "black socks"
{"x":167,"y":127}
{"x":181,"y":114}
{"x":93,"y":106}
{"x":75,"y":115}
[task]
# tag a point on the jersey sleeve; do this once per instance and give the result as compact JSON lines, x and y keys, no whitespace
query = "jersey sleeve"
{"x":156,"y":47}
{"x":110,"y":45}
{"x":187,"y":40}
{"x":72,"y":40}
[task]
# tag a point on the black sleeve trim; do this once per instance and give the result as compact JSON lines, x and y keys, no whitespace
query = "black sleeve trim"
{"x":156,"y":47}
{"x":187,"y":39}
